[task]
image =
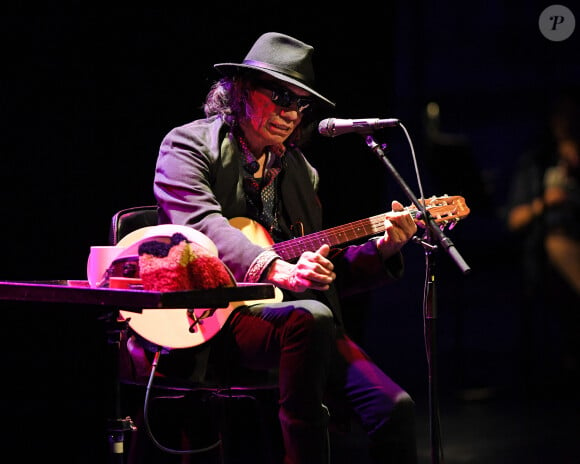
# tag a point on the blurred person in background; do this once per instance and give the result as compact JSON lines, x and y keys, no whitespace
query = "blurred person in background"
{"x":543,"y":214}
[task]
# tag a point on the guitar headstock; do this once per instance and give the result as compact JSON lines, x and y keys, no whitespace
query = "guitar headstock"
{"x":445,"y":210}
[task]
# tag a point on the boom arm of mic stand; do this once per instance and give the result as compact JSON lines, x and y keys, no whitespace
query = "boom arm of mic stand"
{"x":436,"y":232}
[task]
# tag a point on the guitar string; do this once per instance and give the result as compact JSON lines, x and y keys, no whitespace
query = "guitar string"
{"x":294,"y":247}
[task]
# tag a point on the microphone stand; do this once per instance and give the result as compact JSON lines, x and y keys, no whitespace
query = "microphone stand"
{"x":432,"y":239}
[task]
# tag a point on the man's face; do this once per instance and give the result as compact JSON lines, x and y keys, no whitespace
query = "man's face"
{"x":275,"y":109}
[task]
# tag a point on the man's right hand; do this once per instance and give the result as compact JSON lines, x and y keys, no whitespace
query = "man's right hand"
{"x":312,"y":271}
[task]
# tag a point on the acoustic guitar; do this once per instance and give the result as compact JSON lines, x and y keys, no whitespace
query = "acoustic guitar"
{"x":186,"y":328}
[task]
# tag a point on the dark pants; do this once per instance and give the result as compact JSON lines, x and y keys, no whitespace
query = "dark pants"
{"x":319,"y":365}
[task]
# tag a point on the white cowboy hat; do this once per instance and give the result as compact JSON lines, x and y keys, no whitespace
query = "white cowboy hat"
{"x":127,"y":248}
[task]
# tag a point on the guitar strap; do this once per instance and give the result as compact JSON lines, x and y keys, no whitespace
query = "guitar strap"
{"x":297,"y":229}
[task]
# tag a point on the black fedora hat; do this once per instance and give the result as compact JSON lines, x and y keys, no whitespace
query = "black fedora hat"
{"x":281,"y":56}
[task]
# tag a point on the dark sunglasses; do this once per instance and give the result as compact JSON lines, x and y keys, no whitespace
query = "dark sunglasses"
{"x":285,"y":98}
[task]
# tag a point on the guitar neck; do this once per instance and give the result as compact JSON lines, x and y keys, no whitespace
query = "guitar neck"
{"x":443,"y":210}
{"x":291,"y":249}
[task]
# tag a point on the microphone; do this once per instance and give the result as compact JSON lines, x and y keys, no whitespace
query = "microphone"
{"x":332,"y":127}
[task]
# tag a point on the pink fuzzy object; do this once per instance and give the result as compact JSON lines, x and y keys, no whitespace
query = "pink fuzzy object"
{"x":186,"y":266}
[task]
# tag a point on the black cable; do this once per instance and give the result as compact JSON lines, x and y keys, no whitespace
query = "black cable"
{"x":146,"y":417}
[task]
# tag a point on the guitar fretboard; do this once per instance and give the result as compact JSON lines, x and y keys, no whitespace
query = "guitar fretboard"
{"x":291,"y":249}
{"x":443,"y":210}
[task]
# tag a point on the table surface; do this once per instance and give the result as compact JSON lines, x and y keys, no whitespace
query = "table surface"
{"x":79,"y":292}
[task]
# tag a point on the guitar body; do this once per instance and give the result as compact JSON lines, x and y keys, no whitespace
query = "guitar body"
{"x":253,"y":230}
{"x":186,"y":328}
{"x":179,"y":327}
{"x":183,"y":328}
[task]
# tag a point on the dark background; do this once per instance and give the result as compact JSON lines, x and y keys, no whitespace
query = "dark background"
{"x":88,"y":92}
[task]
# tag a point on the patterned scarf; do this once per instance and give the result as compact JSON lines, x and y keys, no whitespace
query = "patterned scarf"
{"x":261,"y":193}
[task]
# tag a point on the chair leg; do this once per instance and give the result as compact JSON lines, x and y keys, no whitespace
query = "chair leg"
{"x":179,"y":423}
{"x":246,"y":424}
{"x":248,"y":428}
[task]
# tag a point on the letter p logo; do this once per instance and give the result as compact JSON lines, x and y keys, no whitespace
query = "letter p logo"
{"x":557,"y":23}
